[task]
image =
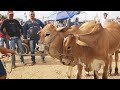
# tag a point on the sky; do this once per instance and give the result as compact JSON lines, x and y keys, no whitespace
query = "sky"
{"x":85,"y":15}
{"x":39,"y":14}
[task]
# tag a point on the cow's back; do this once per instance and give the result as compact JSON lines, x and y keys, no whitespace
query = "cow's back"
{"x":114,"y":36}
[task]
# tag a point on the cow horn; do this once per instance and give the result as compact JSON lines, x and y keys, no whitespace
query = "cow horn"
{"x":39,"y":32}
{"x":81,"y":43}
{"x":62,"y":28}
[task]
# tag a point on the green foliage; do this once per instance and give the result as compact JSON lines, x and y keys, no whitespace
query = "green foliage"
{"x":3,"y":16}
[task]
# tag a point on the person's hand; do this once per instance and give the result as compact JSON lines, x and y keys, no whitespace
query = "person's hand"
{"x":5,"y":51}
{"x":25,"y":40}
{"x":4,"y":30}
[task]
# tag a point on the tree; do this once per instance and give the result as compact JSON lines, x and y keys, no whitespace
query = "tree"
{"x":3,"y":16}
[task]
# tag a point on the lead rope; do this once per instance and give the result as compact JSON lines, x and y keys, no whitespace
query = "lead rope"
{"x":5,"y":66}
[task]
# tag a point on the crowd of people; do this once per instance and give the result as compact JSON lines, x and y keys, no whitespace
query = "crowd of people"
{"x":11,"y":31}
{"x":64,"y":23}
{"x":105,"y":19}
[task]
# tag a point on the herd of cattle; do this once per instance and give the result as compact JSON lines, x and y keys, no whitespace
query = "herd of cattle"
{"x":90,"y":46}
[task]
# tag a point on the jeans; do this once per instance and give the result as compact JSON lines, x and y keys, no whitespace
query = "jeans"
{"x":2,"y":40}
{"x":13,"y":41}
{"x":33,"y":43}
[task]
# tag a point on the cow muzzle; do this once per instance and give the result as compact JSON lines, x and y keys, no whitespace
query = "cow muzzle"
{"x":68,"y":62}
{"x":40,"y":47}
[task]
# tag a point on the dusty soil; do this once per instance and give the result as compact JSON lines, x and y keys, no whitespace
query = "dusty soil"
{"x":52,"y":69}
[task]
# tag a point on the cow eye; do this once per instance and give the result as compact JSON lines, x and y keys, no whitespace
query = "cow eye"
{"x":69,"y":48}
{"x":47,"y":34}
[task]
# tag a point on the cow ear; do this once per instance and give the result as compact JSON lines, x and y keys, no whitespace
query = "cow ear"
{"x":62,"y":29}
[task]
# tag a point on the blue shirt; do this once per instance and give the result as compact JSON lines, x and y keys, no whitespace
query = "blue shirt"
{"x":76,"y":23}
{"x":30,"y":29}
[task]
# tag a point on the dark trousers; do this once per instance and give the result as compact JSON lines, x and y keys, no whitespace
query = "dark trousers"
{"x":33,"y":43}
{"x":2,"y":69}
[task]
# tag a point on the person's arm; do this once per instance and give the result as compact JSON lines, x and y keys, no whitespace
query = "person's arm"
{"x":41,"y":24}
{"x":25,"y":27}
{"x":2,"y":27}
{"x":6,"y":50}
{"x":21,"y":28}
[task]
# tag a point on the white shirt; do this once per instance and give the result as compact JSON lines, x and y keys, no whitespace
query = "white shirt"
{"x":103,"y":21}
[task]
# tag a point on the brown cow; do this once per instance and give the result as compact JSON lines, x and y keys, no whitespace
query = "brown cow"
{"x":114,"y":29}
{"x":111,"y":26}
{"x":94,"y":48}
{"x":53,"y":37}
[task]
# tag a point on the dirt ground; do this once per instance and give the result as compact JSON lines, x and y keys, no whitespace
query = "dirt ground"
{"x":52,"y":69}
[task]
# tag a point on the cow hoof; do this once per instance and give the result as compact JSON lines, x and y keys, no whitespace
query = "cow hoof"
{"x":110,"y":71}
{"x":69,"y":77}
{"x":104,"y":77}
{"x":116,"y":71}
{"x":78,"y":77}
{"x":96,"y":75}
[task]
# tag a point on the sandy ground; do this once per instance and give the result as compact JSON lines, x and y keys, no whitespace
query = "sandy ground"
{"x":52,"y":69}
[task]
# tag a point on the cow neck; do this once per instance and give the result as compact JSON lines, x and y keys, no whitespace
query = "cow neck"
{"x":51,"y":41}
{"x":55,"y":45}
{"x":83,"y":55}
{"x":93,"y":37}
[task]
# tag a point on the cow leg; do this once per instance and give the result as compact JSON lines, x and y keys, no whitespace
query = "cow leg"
{"x":105,"y":69}
{"x":69,"y":73}
{"x":116,"y":62}
{"x":87,"y":70}
{"x":96,"y":76}
{"x":110,"y":67}
{"x":79,"y":74}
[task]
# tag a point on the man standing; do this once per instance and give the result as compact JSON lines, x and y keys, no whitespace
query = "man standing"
{"x":31,"y":28}
{"x":104,"y":19}
{"x":14,"y":30}
{"x":76,"y":22}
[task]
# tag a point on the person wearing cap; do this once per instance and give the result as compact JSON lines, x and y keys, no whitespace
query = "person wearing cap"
{"x":14,"y":30}
{"x":30,"y":30}
{"x":104,"y":19}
